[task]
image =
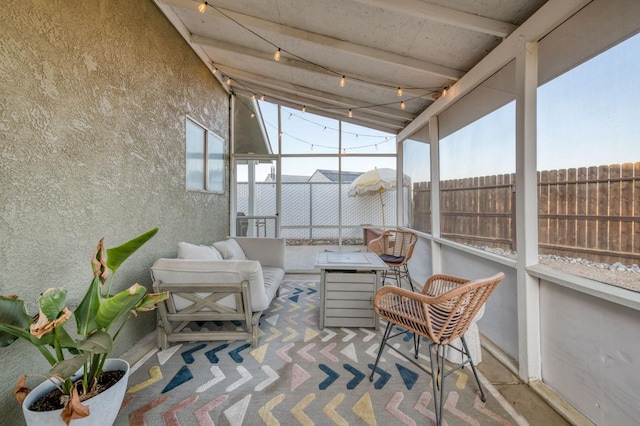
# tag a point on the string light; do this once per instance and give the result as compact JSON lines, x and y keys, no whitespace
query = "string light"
{"x":253,"y":97}
{"x":444,"y":92}
{"x":253,"y":115}
{"x":203,"y":7}
{"x":304,"y":108}
{"x":262,"y":98}
{"x":214,"y":69}
{"x":276,"y":55}
{"x":343,"y":80}
{"x":350,"y":113}
{"x":325,"y":129}
{"x":402,"y":105}
{"x":399,"y":91}
{"x":290,"y":116}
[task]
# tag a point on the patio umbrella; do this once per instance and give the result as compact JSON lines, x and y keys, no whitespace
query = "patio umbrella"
{"x":375,"y":181}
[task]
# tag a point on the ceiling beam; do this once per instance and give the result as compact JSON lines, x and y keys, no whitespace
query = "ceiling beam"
{"x":258,"y":82}
{"x":370,"y":53}
{"x":359,"y":117}
{"x":301,"y":65}
{"x":445,"y":15}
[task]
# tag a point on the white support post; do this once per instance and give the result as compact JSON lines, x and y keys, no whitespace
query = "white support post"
{"x":527,"y":210}
{"x":434,"y":144}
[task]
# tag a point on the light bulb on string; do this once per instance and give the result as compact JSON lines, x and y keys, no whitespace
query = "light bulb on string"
{"x":253,"y":97}
{"x":213,"y":69}
{"x":253,"y":115}
{"x":444,"y":92}
{"x":203,"y":7}
{"x":262,"y":98}
{"x":402,"y":105}
{"x":229,"y":81}
{"x":376,"y":145}
{"x":276,"y":55}
{"x":350,"y":113}
{"x":311,"y":147}
{"x":304,"y":108}
{"x":343,"y":81}
{"x":325,"y":129}
{"x":290,"y":116}
{"x":399,"y":91}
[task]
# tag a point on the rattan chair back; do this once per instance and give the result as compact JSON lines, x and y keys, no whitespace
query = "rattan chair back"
{"x":442,"y":312}
{"x":398,"y":244}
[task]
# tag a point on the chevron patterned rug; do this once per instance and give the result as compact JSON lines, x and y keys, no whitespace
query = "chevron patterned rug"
{"x":298,"y":375}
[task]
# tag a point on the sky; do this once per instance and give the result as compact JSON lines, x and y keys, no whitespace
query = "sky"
{"x":589,"y":116}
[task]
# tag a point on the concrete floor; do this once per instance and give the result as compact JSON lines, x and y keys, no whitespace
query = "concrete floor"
{"x":299,"y":263}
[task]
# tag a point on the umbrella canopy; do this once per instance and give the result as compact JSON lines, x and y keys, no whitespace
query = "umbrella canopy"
{"x":375,"y":181}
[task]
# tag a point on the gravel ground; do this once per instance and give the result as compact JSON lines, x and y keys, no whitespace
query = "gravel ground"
{"x":626,"y":278}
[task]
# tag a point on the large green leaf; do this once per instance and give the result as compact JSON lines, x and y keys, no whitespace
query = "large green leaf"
{"x":99,"y":342}
{"x":86,"y":312}
{"x":69,"y":367}
{"x":52,"y":301}
{"x":117,"y":255}
{"x":14,"y":320}
{"x":113,"y":308}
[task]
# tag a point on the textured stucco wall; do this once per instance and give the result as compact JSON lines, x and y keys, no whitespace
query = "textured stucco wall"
{"x":94,"y":97}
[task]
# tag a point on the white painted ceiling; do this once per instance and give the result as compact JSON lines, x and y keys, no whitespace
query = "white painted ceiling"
{"x":378,"y":45}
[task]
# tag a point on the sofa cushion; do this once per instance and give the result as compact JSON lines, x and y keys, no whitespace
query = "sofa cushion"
{"x":230,"y":249}
{"x":194,"y":251}
{"x":221,"y":271}
{"x":272,"y":279}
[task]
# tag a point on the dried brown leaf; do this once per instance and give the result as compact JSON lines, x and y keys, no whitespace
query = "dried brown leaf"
{"x":74,"y":409}
{"x":21,"y":390}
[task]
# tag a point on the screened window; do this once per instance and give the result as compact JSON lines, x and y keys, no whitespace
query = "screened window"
{"x":205,"y":159}
{"x":589,"y":166}
{"x":416,"y":164}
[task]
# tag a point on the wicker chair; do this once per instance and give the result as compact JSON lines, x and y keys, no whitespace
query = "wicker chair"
{"x":395,"y":249}
{"x":441,"y":313}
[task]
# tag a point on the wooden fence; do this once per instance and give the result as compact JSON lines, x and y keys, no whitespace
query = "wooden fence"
{"x":588,"y":212}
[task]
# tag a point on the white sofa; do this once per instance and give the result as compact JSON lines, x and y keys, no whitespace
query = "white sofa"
{"x":233,"y":280}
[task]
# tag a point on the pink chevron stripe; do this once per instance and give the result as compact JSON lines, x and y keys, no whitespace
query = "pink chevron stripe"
{"x":127,"y":399}
{"x":282,"y":352}
{"x":392,"y":408}
{"x":170,"y":416}
{"x":290,"y":320}
{"x":326,"y":351}
{"x":450,"y":405}
{"x":304,"y":352}
{"x":136,"y":418}
{"x":421,"y":407}
{"x":202,"y":414}
{"x":482,"y":407}
{"x":310,"y":319}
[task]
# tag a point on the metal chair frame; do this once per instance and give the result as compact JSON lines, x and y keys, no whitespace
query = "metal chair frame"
{"x":395,"y":243}
{"x":441,"y":313}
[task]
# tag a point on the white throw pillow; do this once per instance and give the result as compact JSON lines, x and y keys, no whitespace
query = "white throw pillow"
{"x":230,"y":249}
{"x":194,"y":251}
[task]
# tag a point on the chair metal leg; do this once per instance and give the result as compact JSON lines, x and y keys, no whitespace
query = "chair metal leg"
{"x":437,"y":377}
{"x":385,"y":337}
{"x":406,"y":271}
{"x":473,"y":367}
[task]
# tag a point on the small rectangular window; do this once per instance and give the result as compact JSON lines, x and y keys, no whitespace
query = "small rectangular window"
{"x":205,"y":159}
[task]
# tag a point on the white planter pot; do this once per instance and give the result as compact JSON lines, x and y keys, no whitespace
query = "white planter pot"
{"x":103,"y":408}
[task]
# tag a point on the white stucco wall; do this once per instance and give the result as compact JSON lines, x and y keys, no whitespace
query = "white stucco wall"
{"x":94,"y":99}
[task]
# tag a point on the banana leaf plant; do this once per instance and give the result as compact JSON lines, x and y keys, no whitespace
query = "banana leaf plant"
{"x":99,"y":318}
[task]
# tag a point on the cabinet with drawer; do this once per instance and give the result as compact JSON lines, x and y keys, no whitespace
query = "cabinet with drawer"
{"x":348,"y":299}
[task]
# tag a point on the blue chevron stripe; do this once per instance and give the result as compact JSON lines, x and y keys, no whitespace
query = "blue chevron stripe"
{"x":332,"y":376}
{"x":384,"y":377}
{"x":235,"y":354}
{"x":357,"y":376}
{"x":211,"y":354}
{"x":187,"y":355}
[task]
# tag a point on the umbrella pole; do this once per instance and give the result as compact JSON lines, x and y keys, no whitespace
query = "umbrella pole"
{"x":382,"y":204}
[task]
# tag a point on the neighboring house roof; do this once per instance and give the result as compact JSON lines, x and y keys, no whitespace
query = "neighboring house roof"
{"x":332,"y":176}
